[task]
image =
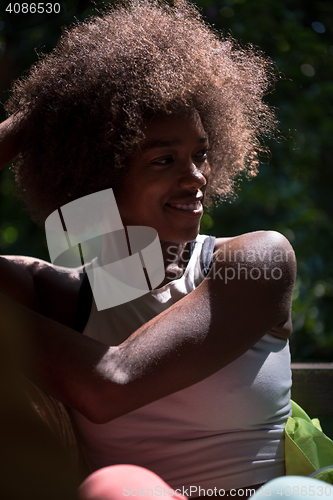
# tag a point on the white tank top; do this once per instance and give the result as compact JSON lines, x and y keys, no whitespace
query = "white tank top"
{"x":226,"y":431}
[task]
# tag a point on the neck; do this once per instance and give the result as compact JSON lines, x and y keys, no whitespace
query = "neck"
{"x":174,"y":255}
{"x":175,"y":260}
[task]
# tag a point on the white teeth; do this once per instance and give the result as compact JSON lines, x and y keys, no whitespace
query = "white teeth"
{"x":190,"y":207}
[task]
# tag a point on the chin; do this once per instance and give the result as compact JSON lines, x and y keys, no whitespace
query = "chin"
{"x":180,"y":236}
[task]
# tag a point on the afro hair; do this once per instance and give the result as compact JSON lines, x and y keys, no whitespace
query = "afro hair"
{"x":86,"y":102}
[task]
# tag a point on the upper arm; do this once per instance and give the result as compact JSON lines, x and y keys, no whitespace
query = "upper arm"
{"x":247,"y":293}
{"x":17,"y":282}
{"x":39,"y":286}
{"x":260,"y":268}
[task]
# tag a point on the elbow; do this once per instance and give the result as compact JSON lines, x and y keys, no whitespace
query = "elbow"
{"x":109,"y":399}
{"x":98,"y":416}
{"x":100,"y":409}
{"x":277,"y":255}
{"x":284,"y":258}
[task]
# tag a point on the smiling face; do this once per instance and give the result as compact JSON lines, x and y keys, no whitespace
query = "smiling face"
{"x":167,"y":179}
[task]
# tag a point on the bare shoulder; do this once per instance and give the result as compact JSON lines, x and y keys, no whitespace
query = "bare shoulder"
{"x":261,"y":264}
{"x":262,"y":248}
{"x":257,"y":240}
{"x":39,"y":285}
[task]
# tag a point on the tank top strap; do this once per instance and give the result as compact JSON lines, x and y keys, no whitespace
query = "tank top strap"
{"x":207,"y":254}
{"x":84,"y":303}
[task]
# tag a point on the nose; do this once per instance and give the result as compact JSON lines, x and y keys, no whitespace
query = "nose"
{"x":193,"y":177}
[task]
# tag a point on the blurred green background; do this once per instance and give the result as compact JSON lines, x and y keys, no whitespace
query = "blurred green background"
{"x":292,"y":193}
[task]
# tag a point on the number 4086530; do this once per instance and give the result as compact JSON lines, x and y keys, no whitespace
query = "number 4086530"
{"x":33,"y":8}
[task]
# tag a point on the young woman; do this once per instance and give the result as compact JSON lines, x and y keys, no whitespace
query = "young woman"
{"x":195,"y":375}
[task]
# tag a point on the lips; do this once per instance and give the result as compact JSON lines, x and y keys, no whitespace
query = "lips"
{"x":193,"y":208}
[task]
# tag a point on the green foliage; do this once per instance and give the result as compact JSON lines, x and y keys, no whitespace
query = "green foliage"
{"x":292,"y":194}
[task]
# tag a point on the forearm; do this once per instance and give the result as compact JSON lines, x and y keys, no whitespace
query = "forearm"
{"x":102,"y":382}
{"x":9,"y":144}
{"x":164,"y":356}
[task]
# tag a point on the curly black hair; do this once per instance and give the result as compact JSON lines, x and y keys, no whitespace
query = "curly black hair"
{"x":87,"y":101}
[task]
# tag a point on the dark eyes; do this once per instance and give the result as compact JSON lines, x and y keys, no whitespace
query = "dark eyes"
{"x":199,"y":157}
{"x":202,"y":155}
{"x":163,"y":161}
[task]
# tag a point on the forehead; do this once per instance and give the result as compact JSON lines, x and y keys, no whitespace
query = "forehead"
{"x":173,"y":129}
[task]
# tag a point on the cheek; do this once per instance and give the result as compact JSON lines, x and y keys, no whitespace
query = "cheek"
{"x":143,"y":193}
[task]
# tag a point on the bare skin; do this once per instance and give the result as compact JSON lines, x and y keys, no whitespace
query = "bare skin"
{"x":9,"y":140}
{"x":200,"y":334}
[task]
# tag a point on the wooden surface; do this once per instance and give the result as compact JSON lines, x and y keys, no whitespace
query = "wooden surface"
{"x":313,"y":390}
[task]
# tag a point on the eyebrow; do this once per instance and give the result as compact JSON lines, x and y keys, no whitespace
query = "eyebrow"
{"x":168,"y":144}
